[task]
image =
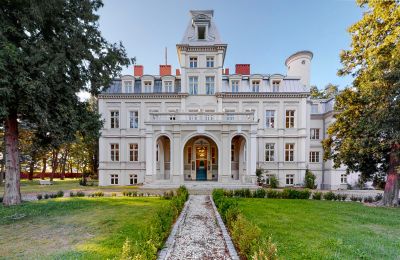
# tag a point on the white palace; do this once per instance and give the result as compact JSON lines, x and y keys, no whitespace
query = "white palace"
{"x":208,"y":124}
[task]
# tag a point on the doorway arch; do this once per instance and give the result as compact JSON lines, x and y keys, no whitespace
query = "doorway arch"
{"x":238,"y":156}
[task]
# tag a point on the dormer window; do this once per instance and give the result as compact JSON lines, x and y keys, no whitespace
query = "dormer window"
{"x":275,"y":85}
{"x":193,"y":62}
{"x":168,"y":86}
{"x":201,"y":33}
{"x":235,"y":86}
{"x":147,"y":87}
{"x":128,"y":86}
{"x":255,"y":86}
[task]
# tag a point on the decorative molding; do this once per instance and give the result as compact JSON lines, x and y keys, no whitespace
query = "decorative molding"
{"x":143,"y":96}
{"x":262,"y":95}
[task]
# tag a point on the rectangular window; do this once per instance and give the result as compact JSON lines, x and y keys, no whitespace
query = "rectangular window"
{"x":213,"y":155}
{"x":289,"y":152}
{"x":189,"y":155}
{"x":255,"y":86}
{"x":275,"y":85}
{"x":193,"y":62}
{"x":289,"y":118}
{"x":269,"y":152}
{"x":210,"y":85}
{"x":147,"y":87}
{"x":289,"y":179}
{"x":268,"y":178}
{"x":114,"y":152}
{"x":133,"y":179}
{"x":128,"y":86}
{"x":201,"y":32}
{"x":133,"y":152}
{"x":314,"y":157}
{"x":270,"y":118}
{"x":114,"y":119}
{"x":210,"y":62}
{"x":232,"y":152}
{"x":343,"y":178}
{"x":314,"y":109}
{"x":314,"y":133}
{"x":193,"y":85}
{"x":133,"y":119}
{"x":235,"y":86}
{"x":168,"y":86}
{"x":114,"y":179}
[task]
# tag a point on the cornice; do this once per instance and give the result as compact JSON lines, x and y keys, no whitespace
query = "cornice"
{"x":143,"y":96}
{"x":262,"y":95}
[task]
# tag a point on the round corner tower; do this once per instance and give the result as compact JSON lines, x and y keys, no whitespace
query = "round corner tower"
{"x":299,"y":64}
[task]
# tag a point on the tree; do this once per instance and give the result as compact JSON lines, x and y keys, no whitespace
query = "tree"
{"x":49,"y":52}
{"x":330,"y":91}
{"x":309,"y":180}
{"x":366,"y":133}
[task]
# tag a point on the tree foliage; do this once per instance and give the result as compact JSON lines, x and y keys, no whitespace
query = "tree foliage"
{"x":49,"y":52}
{"x":330,"y":91}
{"x":366,"y":133}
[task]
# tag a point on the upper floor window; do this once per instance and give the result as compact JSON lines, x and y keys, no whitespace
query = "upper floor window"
{"x":235,"y":86}
{"x":114,"y":148}
{"x":193,"y":62}
{"x":193,"y":85}
{"x":314,"y":157}
{"x":168,"y":86}
{"x":289,"y":152}
{"x":314,"y":109}
{"x":133,"y":119}
{"x":343,"y":178}
{"x":269,"y":152}
{"x":210,"y":85}
{"x":255,"y":86}
{"x":133,"y":152}
{"x":210,"y":62}
{"x":270,"y":118}
{"x":289,"y":118}
{"x":114,"y":119}
{"x":314,"y":133}
{"x":275,"y":85}
{"x":201,"y":32}
{"x":147,"y":86}
{"x":128,"y":86}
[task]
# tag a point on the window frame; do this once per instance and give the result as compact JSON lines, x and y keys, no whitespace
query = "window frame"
{"x":114,"y":152}
{"x":255,"y":86}
{"x":114,"y":119}
{"x":193,"y":85}
{"x":268,"y":119}
{"x":133,"y":152}
{"x":276,"y":85}
{"x":269,"y":152}
{"x":314,"y":133}
{"x":210,"y":85}
{"x":193,"y":62}
{"x":290,"y":115}
{"x":235,"y":86}
{"x":289,"y":152}
{"x":210,"y":61}
{"x":168,"y":86}
{"x":314,"y":157}
{"x":114,"y":179}
{"x":343,"y":178}
{"x":135,"y":119}
{"x":289,"y":179}
{"x":129,"y":87}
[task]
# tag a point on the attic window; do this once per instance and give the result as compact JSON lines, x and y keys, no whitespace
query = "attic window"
{"x":201,"y":32}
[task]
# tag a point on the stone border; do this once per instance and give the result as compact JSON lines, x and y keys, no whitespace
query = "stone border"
{"x":228,"y":241}
{"x":169,"y":244}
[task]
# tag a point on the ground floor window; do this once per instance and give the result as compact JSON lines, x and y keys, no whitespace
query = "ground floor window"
{"x":133,"y":179}
{"x":343,"y":179}
{"x":289,"y":179}
{"x":114,"y":178}
{"x":268,"y":178}
{"x":314,"y":157}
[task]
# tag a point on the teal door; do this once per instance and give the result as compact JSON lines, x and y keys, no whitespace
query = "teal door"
{"x":201,"y":174}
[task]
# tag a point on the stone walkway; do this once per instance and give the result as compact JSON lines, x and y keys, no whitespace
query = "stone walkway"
{"x":198,"y":235}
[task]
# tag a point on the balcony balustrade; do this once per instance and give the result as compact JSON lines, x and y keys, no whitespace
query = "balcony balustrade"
{"x":204,"y":117}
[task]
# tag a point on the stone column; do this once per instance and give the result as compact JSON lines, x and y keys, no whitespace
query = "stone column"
{"x":177,"y":157}
{"x":149,"y":158}
{"x":252,"y":156}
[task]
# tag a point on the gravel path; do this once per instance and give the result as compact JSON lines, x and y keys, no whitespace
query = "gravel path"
{"x":199,"y":236}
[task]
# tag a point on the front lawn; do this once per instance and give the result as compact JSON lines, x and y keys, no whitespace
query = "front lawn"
{"x":74,"y":228}
{"x":307,"y":229}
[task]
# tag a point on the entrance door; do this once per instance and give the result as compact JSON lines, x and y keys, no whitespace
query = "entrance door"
{"x":201,"y":172}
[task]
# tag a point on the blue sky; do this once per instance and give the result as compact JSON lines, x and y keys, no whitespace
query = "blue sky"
{"x":262,"y":33}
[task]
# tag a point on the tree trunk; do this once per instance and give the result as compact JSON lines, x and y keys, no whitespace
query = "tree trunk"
{"x":31,"y":169}
{"x":44,"y":168}
{"x":391,"y":194}
{"x":54,"y":164}
{"x":64,"y":163}
{"x":12,"y":193}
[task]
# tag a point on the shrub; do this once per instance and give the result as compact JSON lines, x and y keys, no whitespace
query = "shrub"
{"x":330,"y":196}
{"x":99,"y":194}
{"x":273,"y":182}
{"x":60,"y":194}
{"x":39,"y":196}
{"x":309,"y":180}
{"x":353,"y":198}
{"x":82,"y":182}
{"x":168,"y":195}
{"x":360,"y":199}
{"x":259,"y":173}
{"x":80,"y":194}
{"x":343,"y":197}
{"x":46,"y":196}
{"x":228,"y":193}
{"x":245,"y":235}
{"x":295,"y":194}
{"x":317,"y":195}
{"x":114,"y":194}
{"x":369,"y":199}
{"x":273,"y":194}
{"x":266,"y":250}
{"x":259,"y":193}
{"x":378,"y":197}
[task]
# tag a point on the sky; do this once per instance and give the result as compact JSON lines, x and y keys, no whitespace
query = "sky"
{"x":262,"y":33}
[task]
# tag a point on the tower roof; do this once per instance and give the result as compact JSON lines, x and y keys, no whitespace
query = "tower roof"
{"x":201,"y":19}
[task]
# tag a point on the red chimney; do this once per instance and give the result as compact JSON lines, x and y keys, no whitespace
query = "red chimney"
{"x":226,"y":71}
{"x":178,"y":72}
{"x":138,"y":70}
{"x":165,"y":70}
{"x":243,"y":69}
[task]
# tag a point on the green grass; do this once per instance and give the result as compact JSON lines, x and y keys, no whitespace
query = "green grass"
{"x":74,"y":228}
{"x":67,"y":184}
{"x":307,"y":229}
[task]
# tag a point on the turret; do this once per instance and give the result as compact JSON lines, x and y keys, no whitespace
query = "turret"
{"x":299,"y":64}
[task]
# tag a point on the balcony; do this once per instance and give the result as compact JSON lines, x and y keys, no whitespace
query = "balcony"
{"x":202,"y":117}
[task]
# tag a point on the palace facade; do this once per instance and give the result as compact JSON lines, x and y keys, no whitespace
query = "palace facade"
{"x":209,"y":124}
